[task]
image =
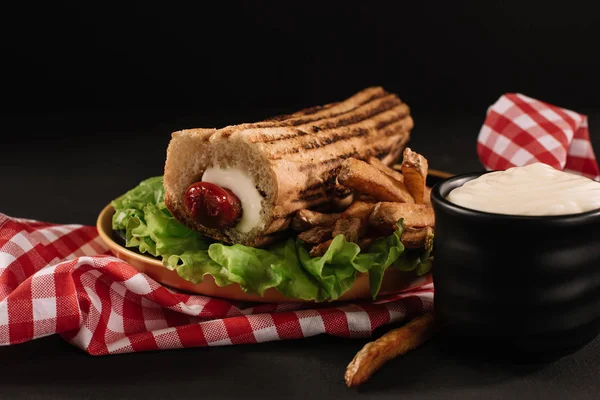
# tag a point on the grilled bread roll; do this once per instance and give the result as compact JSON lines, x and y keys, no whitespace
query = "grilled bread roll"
{"x":284,"y":164}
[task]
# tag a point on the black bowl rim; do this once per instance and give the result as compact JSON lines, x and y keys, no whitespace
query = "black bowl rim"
{"x":440,"y":201}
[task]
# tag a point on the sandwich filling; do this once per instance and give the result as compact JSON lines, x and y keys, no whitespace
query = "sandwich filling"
{"x":243,"y":186}
{"x":146,"y":225}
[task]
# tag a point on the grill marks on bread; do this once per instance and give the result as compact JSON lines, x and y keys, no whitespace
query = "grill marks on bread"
{"x":357,"y":121}
{"x":355,"y":116}
{"x":298,"y":155}
{"x":311,"y":114}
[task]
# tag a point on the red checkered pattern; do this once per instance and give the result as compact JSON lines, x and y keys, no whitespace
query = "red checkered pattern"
{"x":61,"y":279}
{"x":519,"y":130}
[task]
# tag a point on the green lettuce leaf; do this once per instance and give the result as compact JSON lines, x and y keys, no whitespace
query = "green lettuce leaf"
{"x":132,"y":203}
{"x":296,"y":281}
{"x":335,"y":269}
{"x":250,"y":267}
{"x":194,"y":265}
{"x":417,"y":260}
{"x":286,"y":266}
{"x":381,"y":254}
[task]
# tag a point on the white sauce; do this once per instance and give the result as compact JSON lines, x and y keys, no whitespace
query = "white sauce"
{"x":242,"y":185}
{"x":534,"y":190}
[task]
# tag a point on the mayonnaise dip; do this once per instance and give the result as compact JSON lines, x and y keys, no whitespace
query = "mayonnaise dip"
{"x":242,"y":185}
{"x":533,"y":190}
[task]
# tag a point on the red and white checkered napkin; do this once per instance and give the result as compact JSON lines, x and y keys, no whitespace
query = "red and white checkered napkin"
{"x":60,"y":279}
{"x":519,"y":130}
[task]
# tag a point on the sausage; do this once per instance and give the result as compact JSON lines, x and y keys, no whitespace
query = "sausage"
{"x":212,"y":206}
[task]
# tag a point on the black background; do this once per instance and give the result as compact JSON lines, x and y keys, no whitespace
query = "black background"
{"x":91,"y":91}
{"x":224,"y":56}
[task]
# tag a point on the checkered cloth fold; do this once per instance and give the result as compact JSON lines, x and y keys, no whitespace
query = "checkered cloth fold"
{"x":519,"y":130}
{"x":61,"y":279}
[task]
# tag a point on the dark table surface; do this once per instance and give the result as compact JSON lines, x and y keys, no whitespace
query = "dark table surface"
{"x":64,"y":167}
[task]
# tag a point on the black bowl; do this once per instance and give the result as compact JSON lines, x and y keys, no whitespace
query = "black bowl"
{"x":515,"y":285}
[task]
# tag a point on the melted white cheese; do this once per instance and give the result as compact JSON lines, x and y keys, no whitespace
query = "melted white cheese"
{"x":242,"y":185}
{"x":534,"y":190}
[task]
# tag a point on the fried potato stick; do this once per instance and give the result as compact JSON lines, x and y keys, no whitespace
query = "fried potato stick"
{"x":359,"y":209}
{"x":306,"y":219}
{"x":392,"y":173}
{"x":414,"y":169}
{"x":416,"y":238}
{"x":320,"y":249}
{"x":385,"y":215}
{"x":316,"y":235}
{"x":364,"y":178}
{"x":365,"y":243}
{"x":391,"y":345}
{"x":427,"y":197}
{"x":362,"y":210}
{"x":349,"y":227}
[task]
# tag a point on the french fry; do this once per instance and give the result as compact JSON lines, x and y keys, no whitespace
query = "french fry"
{"x":306,"y":219}
{"x":349,"y":227}
{"x":320,"y":249}
{"x":385,"y":215}
{"x":365,"y":242}
{"x":392,"y":173}
{"x":415,"y":238}
{"x":414,"y":169}
{"x":365,"y":198}
{"x":364,"y":178}
{"x":316,"y":235}
{"x":361,"y":210}
{"x":391,"y":345}
{"x":427,"y":196}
